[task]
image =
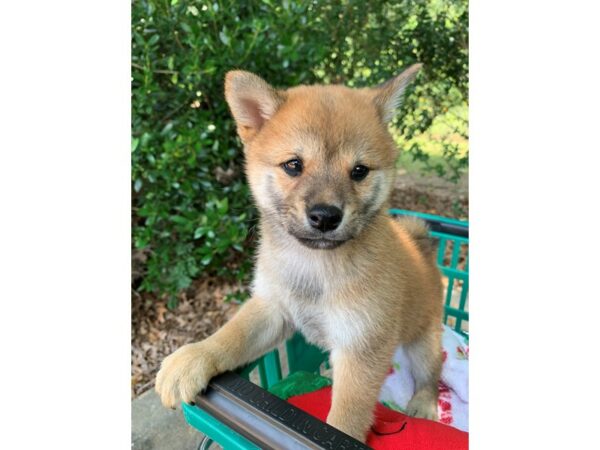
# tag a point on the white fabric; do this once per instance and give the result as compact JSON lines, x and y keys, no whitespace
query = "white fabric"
{"x":453,"y":405}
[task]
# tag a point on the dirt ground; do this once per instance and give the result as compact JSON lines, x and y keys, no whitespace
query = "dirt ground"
{"x":158,"y":331}
{"x":430,"y":194}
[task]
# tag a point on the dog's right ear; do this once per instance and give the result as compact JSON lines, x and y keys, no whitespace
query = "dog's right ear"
{"x":252,"y":102}
{"x":387,"y":96}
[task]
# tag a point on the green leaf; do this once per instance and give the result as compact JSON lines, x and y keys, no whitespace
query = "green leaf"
{"x":223,"y":206}
{"x":179,"y":219}
{"x":223,"y":36}
{"x":200,"y":231}
{"x":186,"y":27}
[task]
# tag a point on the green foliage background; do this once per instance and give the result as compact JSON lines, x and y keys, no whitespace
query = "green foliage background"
{"x":191,"y":207}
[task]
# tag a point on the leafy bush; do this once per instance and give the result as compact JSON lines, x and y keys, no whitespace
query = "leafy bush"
{"x":191,"y":207}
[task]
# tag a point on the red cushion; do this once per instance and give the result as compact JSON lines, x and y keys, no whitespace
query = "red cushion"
{"x":392,"y":430}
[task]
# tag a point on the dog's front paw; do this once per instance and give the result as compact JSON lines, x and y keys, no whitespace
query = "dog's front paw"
{"x":185,"y":373}
{"x":423,"y":406}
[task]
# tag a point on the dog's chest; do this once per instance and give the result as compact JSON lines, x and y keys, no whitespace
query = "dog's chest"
{"x":310,"y":293}
{"x":329,"y":325}
{"x":311,"y":321}
{"x":307,"y":299}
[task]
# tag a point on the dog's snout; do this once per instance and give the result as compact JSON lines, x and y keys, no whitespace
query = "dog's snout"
{"x":324,"y":217}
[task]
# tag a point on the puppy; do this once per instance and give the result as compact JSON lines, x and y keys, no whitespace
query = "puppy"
{"x":331,"y":262}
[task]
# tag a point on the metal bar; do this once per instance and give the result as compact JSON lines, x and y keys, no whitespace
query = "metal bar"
{"x":266,"y":420}
{"x":215,"y":430}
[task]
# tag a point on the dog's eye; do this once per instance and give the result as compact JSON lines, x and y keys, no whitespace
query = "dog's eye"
{"x":293,"y":167}
{"x":359,"y":172}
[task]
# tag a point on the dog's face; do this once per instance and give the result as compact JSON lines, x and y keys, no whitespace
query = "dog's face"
{"x":319,"y":159}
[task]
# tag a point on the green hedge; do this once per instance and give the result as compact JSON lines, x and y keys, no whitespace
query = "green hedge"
{"x":191,"y":207}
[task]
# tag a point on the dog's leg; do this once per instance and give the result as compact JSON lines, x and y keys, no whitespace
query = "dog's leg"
{"x":357,"y":380}
{"x":257,"y":327}
{"x":425,"y":357}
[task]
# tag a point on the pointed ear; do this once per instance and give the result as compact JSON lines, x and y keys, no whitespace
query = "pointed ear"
{"x":252,"y":102}
{"x":388,"y":96}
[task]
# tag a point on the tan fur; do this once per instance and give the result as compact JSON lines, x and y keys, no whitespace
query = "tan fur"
{"x":379,"y":289}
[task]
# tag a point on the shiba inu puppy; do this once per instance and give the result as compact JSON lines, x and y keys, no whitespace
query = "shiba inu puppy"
{"x":331,"y":262}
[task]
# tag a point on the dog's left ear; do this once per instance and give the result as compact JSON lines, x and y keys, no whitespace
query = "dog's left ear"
{"x":252,"y":101}
{"x":388,"y":96}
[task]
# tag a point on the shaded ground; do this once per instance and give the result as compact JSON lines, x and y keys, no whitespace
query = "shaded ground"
{"x":154,"y":427}
{"x":157,"y":331}
{"x":430,"y":194}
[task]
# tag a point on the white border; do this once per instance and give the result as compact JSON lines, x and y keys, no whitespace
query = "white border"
{"x":533,"y":197}
{"x":65,"y":221}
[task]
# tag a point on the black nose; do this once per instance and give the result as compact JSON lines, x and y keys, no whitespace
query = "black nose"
{"x":324,"y":217}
